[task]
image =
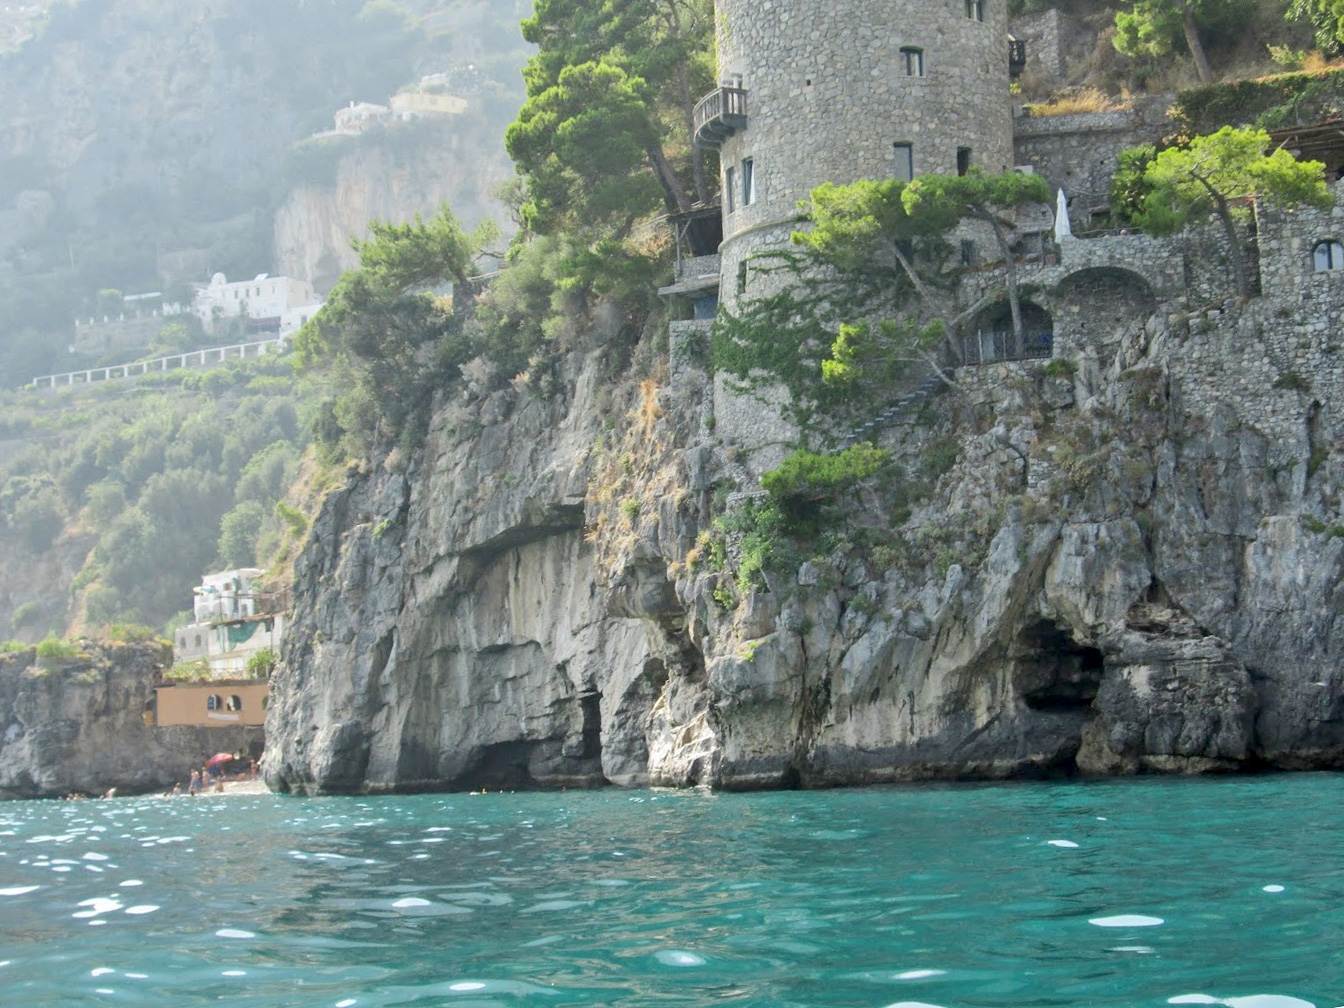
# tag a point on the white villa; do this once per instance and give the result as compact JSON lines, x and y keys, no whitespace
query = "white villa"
{"x":281,"y":300}
{"x":230,"y":625}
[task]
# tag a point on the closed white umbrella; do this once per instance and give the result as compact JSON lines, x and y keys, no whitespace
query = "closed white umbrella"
{"x":1062,"y":228}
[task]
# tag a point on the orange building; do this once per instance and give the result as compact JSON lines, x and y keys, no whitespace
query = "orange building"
{"x":215,"y":704}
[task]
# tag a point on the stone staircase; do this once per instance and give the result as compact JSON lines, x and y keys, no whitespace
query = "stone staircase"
{"x":893,"y":413}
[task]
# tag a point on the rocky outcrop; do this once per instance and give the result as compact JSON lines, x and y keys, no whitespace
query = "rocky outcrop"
{"x":85,"y":725}
{"x":457,"y":161}
{"x":1104,"y":567}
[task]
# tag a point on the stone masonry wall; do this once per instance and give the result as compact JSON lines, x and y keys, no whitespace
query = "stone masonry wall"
{"x":828,"y":95}
{"x":1078,"y":153}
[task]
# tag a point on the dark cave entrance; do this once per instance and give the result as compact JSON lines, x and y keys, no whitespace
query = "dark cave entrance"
{"x":590,"y":705}
{"x":1052,"y":672}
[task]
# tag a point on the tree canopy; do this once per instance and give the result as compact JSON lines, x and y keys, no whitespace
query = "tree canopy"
{"x":1210,"y":177}
{"x":390,"y":342}
{"x":1156,"y":29}
{"x":605,"y":134}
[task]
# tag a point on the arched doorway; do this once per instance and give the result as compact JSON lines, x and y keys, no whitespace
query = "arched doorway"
{"x":990,"y":337}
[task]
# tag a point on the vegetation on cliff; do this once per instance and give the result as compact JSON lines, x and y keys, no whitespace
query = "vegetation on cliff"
{"x":136,"y":490}
{"x":166,"y":134}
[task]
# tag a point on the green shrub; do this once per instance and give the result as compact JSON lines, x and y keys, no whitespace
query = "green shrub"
{"x":1291,"y":381}
{"x":815,"y":476}
{"x":129,"y":633}
{"x":630,"y":509}
{"x":262,"y":664}
{"x":1061,"y":367}
{"x":53,"y":651}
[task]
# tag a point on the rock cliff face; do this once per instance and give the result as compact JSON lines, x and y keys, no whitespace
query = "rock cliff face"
{"x":80,"y":726}
{"x":1126,"y":563}
{"x":459,"y":161}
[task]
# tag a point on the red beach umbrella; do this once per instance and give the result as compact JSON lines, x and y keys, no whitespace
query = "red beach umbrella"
{"x":218,"y":758}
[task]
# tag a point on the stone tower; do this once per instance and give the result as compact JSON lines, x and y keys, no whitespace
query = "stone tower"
{"x":815,"y":91}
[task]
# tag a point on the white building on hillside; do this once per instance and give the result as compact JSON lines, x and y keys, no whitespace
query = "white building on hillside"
{"x":232,"y":624}
{"x":263,"y":298}
{"x":359,"y":116}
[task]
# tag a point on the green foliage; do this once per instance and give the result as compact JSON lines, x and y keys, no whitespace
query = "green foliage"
{"x":1128,"y":188}
{"x":392,"y":346}
{"x":262,"y":664}
{"x":53,"y":651}
{"x":1292,"y":381}
{"x":1155,"y":29}
{"x":27,"y":615}
{"x":811,"y":477}
{"x":939,"y":455}
{"x":630,"y":509}
{"x":144,"y":474}
{"x":767,"y":543}
{"x":1267,"y":102}
{"x":1326,"y":18}
{"x":1335,"y":531}
{"x":596,"y":139}
{"x":293,"y":518}
{"x":239,"y":530}
{"x":129,"y":633}
{"x":1206,"y":177}
{"x":189,"y":671}
{"x":1060,"y":367}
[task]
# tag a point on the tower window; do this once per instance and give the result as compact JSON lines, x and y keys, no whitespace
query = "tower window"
{"x":730,"y":189}
{"x":748,"y":182}
{"x":963,"y":160}
{"x":742,"y":277}
{"x":1328,"y":255}
{"x":912,"y":62}
{"x":905,"y":160}
{"x":213,"y":702}
{"x":967,"y":252}
{"x":975,"y":10}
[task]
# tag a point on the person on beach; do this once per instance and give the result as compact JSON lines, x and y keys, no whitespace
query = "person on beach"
{"x":194,"y":785}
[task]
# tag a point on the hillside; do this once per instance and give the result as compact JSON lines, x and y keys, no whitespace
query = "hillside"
{"x":144,"y":145}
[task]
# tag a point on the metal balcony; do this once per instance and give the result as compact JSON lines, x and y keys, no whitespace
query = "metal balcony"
{"x":719,"y":114}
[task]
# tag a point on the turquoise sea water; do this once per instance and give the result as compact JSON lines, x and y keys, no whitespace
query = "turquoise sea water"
{"x":1127,"y":893}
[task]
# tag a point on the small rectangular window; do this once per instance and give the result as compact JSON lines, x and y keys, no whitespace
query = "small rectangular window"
{"x":905,"y":161}
{"x":967,"y":252}
{"x":730,"y":189}
{"x":742,"y":277}
{"x":975,"y":10}
{"x":963,"y":160}
{"x":748,"y":182}
{"x":912,"y":62}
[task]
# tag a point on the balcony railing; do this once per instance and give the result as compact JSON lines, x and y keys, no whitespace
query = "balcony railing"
{"x":719,"y":114}
{"x":987,"y":348}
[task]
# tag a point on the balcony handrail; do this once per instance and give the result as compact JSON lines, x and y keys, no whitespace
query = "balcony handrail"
{"x":993,"y":347}
{"x":722,"y":102}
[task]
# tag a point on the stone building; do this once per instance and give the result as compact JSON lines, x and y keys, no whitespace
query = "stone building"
{"x":855,"y":89}
{"x":850,"y":89}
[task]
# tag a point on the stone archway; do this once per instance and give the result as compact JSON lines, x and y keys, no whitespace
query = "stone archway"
{"x":1100,"y":303}
{"x":990,"y":336}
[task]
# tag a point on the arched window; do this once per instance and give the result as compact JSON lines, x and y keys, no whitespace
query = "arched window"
{"x":912,"y":61}
{"x":1328,"y":255}
{"x":212,"y":702}
{"x":234,"y":703}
